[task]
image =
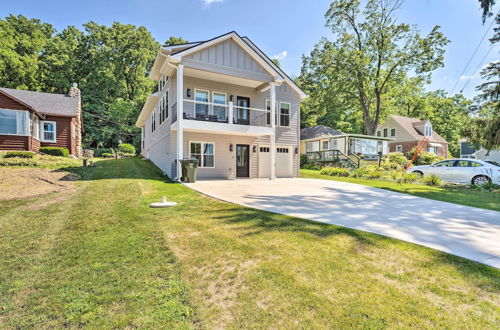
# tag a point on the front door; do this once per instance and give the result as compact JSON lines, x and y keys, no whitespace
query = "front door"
{"x":242,"y":113}
{"x":242,"y":160}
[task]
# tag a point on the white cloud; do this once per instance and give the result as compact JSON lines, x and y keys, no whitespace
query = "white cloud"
{"x":209,"y":2}
{"x":281,"y":55}
{"x":470,"y":77}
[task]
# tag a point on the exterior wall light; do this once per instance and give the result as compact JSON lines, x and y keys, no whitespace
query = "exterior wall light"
{"x":254,"y":149}
{"x":231,"y":147}
{"x":188,"y":92}
{"x":296,"y":150}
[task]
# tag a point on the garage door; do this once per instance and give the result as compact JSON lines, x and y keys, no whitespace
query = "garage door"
{"x":283,"y":162}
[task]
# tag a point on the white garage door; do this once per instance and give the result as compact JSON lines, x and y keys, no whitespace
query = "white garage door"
{"x":283,"y":162}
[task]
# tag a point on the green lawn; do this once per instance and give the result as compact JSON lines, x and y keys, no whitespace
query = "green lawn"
{"x":101,"y":258}
{"x":458,"y":195}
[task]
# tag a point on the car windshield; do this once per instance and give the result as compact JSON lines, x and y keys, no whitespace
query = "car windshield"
{"x":493,"y":163}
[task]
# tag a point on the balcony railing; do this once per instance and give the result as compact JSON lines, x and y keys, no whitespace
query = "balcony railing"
{"x":333,"y":156}
{"x":222,"y":113}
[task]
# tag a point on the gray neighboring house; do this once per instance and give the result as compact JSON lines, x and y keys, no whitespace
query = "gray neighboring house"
{"x":225,"y":103}
{"x":467,"y":150}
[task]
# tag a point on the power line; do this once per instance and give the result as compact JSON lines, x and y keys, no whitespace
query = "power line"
{"x":477,"y":68}
{"x":473,"y":54}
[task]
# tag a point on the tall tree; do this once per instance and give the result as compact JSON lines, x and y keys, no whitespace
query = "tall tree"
{"x":23,"y":43}
{"x":375,"y":51}
{"x":175,"y":41}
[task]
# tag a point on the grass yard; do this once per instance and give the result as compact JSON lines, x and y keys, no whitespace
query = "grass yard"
{"x":458,"y":195}
{"x":102,"y":258}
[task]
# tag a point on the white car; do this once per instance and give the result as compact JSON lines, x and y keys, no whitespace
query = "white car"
{"x":462,"y":170}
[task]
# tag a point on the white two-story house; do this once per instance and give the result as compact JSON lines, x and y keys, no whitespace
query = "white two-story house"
{"x":225,"y":103}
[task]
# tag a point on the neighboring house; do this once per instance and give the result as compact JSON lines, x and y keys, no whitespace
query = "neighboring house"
{"x":319,"y":139}
{"x":467,"y":150}
{"x":30,"y":120}
{"x":408,"y":132}
{"x":225,"y":103}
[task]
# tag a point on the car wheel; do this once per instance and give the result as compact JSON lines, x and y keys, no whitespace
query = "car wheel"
{"x":479,"y":180}
{"x":419,"y":173}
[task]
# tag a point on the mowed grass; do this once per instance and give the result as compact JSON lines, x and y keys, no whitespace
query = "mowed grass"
{"x":457,"y":195}
{"x":102,"y":258}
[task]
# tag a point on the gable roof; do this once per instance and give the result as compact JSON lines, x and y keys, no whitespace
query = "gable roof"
{"x":178,"y":51}
{"x":413,"y":125}
{"x":46,"y":103}
{"x":318,"y":132}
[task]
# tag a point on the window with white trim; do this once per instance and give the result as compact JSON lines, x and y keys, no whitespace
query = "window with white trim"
{"x":36,"y":128}
{"x":385,"y":132}
{"x":163,"y":108}
{"x":201,"y":103}
{"x":325,"y":145}
{"x":48,"y":131}
{"x":204,"y":152}
{"x":153,"y":120}
{"x":14,"y":122}
{"x":379,"y":133}
{"x":312,"y":146}
{"x":284,"y":114}
{"x":264,"y":149}
{"x":393,"y":132}
{"x":219,"y":111}
{"x":399,"y":148}
{"x":428,"y":130}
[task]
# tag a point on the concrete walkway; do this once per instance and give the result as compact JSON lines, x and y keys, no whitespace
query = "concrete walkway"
{"x":461,"y":230}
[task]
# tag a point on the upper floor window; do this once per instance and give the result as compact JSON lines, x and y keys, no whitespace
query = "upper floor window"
{"x":393,"y":132}
{"x":379,"y":133}
{"x":219,"y":110}
{"x":153,"y":121}
{"x":385,"y":132}
{"x":201,"y":103}
{"x":162,"y":83}
{"x":163,"y":109}
{"x":428,"y":130}
{"x":325,"y":145}
{"x":14,"y":122}
{"x":48,"y":131}
{"x":284,"y":114}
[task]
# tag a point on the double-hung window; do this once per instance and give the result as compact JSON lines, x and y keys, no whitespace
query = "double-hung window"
{"x":14,"y":122}
{"x":164,"y":107}
{"x":153,"y":121}
{"x":204,"y":152}
{"x":284,"y":114}
{"x":201,"y":103}
{"x":48,"y":131}
{"x":393,"y":132}
{"x":385,"y":132}
{"x":36,"y":128}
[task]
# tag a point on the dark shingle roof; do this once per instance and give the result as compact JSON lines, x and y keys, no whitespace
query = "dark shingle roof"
{"x":318,"y":131}
{"x":46,"y":103}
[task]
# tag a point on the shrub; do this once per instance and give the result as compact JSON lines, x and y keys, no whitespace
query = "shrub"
{"x":126,"y":148}
{"x":107,"y":155}
{"x":423,"y":158}
{"x":98,"y":152}
{"x":359,"y":172}
{"x":18,"y":154}
{"x":411,"y":177}
{"x":397,"y":158}
{"x":431,"y":180}
{"x":303,"y":160}
{"x":55,"y":151}
{"x":335,"y":171}
{"x":311,"y":167}
{"x":375,"y":173}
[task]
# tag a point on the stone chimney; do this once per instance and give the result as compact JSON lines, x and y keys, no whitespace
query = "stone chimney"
{"x":75,"y":92}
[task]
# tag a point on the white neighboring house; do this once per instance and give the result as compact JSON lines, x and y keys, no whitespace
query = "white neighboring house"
{"x":224,"y":102}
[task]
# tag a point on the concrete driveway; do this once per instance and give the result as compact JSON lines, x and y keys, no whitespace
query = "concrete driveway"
{"x":461,"y":230}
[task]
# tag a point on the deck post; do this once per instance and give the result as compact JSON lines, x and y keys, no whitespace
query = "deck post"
{"x":273,"y":135}
{"x":180,"y":112}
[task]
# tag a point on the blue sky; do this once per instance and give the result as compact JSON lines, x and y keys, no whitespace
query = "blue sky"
{"x":283,"y":28}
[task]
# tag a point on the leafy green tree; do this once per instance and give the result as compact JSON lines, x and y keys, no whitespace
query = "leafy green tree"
{"x":23,"y":42}
{"x":374,"y":52}
{"x":175,"y":41}
{"x":276,"y":62}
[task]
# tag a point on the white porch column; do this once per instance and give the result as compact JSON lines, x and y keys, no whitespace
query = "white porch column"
{"x":273,"y":135}
{"x":180,"y":113}
{"x":230,"y":113}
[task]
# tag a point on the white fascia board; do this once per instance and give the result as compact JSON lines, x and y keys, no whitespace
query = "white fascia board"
{"x":160,"y":59}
